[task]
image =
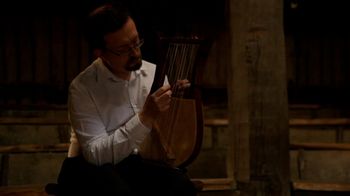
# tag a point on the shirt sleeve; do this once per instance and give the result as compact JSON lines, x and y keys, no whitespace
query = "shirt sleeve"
{"x":98,"y":146}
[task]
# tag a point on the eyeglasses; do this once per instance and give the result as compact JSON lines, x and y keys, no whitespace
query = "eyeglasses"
{"x":129,"y":50}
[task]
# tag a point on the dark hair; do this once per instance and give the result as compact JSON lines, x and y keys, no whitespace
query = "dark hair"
{"x":104,"y":19}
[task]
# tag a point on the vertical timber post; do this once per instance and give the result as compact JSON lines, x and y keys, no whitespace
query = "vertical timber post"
{"x":258,"y":102}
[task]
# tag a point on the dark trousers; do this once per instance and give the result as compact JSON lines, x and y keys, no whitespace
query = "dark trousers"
{"x":133,"y":176}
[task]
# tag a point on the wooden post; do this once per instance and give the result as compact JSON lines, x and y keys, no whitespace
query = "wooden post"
{"x":258,"y":104}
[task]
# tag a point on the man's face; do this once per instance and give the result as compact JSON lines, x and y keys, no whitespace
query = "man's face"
{"x":123,"y":49}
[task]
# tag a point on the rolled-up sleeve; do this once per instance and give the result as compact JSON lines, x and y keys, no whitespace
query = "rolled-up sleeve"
{"x":98,"y":145}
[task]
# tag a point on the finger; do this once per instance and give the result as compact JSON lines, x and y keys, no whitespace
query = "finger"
{"x":162,"y":90}
{"x":186,"y":85}
{"x":165,"y":108}
{"x":184,"y":81}
{"x":165,"y":97}
{"x":182,"y":84}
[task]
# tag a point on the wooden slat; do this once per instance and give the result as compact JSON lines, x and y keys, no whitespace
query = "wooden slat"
{"x":34,"y":148}
{"x":319,"y":146}
{"x":23,"y":190}
{"x":321,"y":186}
{"x":216,"y":122}
{"x":304,"y":106}
{"x":210,"y":184}
{"x":33,"y":106}
{"x":33,"y":121}
{"x":319,"y":122}
{"x":207,"y":122}
{"x":292,"y":122}
{"x":214,"y":184}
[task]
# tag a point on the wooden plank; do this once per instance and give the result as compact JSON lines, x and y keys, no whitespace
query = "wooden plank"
{"x":33,"y":148}
{"x":42,"y":51}
{"x":319,"y":146}
{"x":292,"y":122}
{"x":214,"y":184}
{"x":216,"y":122}
{"x":25,"y":48}
{"x":319,"y":121}
{"x":321,"y":186}
{"x":72,"y":49}
{"x":10,"y":52}
{"x":35,"y":106}
{"x":210,"y":184}
{"x":33,"y":121}
{"x":304,"y":106}
{"x":58,"y":69}
{"x":207,"y":122}
{"x":23,"y":190}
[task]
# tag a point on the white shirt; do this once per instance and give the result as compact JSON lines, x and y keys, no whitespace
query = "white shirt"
{"x":103,"y":112}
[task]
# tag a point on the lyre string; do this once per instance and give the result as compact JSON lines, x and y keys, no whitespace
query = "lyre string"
{"x":180,"y":59}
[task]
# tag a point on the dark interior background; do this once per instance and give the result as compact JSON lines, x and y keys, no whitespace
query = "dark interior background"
{"x":42,"y":48}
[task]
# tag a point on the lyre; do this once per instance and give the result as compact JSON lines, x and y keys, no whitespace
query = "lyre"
{"x":178,"y":135}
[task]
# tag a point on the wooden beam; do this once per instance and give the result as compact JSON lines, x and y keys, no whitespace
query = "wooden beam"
{"x":319,"y":146}
{"x":258,"y":155}
{"x":304,"y":106}
{"x":213,"y":184}
{"x":23,"y":190}
{"x":33,"y":148}
{"x":216,"y":122}
{"x":207,"y":122}
{"x":33,"y":121}
{"x":206,"y":184}
{"x":319,"y":121}
{"x":292,"y":122}
{"x":321,"y":186}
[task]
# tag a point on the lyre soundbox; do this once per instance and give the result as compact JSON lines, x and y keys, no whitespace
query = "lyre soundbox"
{"x":176,"y":138}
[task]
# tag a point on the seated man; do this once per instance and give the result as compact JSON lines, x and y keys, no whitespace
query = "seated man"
{"x":111,"y":112}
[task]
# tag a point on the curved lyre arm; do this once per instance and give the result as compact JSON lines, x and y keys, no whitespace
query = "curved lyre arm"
{"x":160,"y":73}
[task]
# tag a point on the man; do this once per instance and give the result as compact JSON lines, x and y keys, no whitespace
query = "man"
{"x":111,"y":112}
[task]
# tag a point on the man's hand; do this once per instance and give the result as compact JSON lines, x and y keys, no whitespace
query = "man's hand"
{"x":180,"y":87}
{"x":182,"y":84}
{"x":155,"y":103}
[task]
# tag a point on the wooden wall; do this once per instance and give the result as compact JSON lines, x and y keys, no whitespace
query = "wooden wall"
{"x":41,"y":51}
{"x":318,"y":50}
{"x":42,"y":48}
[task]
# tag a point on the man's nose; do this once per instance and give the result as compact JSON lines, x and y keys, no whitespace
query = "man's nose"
{"x":135,"y":51}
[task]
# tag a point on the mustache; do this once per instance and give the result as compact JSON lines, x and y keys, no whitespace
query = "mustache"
{"x":135,"y":58}
{"x":134,"y":63}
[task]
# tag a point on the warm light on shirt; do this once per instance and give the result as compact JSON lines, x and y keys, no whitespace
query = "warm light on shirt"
{"x":103,"y":112}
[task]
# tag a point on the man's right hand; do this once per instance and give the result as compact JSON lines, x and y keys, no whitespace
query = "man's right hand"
{"x":155,"y":103}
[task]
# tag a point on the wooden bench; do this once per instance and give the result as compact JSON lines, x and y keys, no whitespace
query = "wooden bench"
{"x":319,"y":122}
{"x":319,"y":146}
{"x":213,"y":184}
{"x":292,"y":122}
{"x":303,"y":188}
{"x":304,"y":106}
{"x":319,"y":188}
{"x":34,"y":148}
{"x":208,"y":184}
{"x":23,"y":190}
{"x":33,"y":121}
